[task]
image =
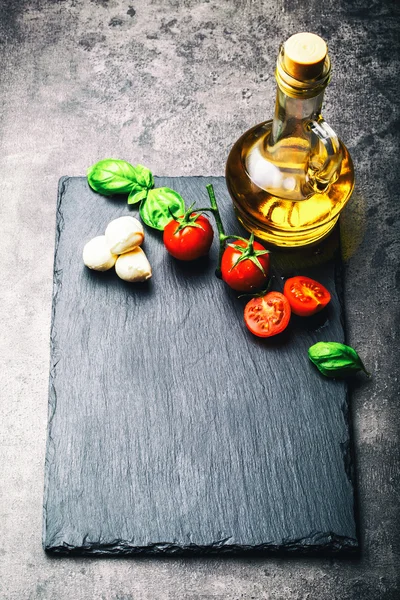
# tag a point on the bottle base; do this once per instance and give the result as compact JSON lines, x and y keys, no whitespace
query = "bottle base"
{"x":285,"y":239}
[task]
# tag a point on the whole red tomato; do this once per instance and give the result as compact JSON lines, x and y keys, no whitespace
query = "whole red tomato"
{"x":188,"y":237}
{"x":267,"y":315}
{"x":245,"y":265}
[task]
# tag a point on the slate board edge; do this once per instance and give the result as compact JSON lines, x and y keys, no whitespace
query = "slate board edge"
{"x":317,"y":543}
{"x":322,"y":544}
{"x":52,"y":398}
{"x":349,"y":449}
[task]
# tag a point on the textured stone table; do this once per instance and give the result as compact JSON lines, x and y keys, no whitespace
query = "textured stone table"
{"x":172,"y":85}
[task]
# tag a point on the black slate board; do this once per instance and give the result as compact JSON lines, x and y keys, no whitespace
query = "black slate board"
{"x":172,"y":428}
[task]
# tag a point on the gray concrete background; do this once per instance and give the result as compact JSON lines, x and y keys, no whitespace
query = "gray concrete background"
{"x":172,"y":84}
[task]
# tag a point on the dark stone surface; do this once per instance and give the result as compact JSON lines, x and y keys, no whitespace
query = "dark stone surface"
{"x":173,"y":428}
{"x":173,"y":87}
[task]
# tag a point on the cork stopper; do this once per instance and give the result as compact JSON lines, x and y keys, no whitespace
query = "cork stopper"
{"x":304,"y":56}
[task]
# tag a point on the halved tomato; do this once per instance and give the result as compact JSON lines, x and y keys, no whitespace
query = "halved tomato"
{"x":306,"y":296}
{"x":267,"y":315}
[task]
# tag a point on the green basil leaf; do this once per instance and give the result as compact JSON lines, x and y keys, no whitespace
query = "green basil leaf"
{"x":135,"y":196}
{"x":155,"y":209}
{"x":112,"y":176}
{"x":144,"y":177}
{"x":335,"y":360}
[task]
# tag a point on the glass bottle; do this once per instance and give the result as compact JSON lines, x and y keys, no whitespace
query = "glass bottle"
{"x":289,"y":178}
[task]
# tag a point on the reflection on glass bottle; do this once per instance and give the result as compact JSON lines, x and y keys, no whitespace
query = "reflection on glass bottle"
{"x":289,"y":178}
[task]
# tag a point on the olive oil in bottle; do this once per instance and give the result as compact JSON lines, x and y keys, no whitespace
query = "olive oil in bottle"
{"x":289,"y":178}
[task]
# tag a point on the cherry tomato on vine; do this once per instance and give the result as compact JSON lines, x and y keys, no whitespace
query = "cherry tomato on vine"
{"x":245,"y":265}
{"x":267,"y":315}
{"x":306,"y":296}
{"x":188,"y":237}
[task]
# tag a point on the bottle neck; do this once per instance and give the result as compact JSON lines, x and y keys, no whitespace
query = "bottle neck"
{"x":298,"y":101}
{"x":292,"y":115}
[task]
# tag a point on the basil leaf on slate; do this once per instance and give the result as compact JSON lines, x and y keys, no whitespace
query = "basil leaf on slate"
{"x":136,"y":196}
{"x":156,"y":208}
{"x":144,"y":177}
{"x":335,"y":360}
{"x":112,"y":176}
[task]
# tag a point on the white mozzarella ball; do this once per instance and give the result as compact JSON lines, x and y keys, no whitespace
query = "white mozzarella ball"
{"x":124,"y":234}
{"x":97,"y":256}
{"x":133,"y":266}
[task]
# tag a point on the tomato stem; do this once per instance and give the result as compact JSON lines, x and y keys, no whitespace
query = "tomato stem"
{"x":220,"y":227}
{"x":247,"y":252}
{"x":188,"y":220}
